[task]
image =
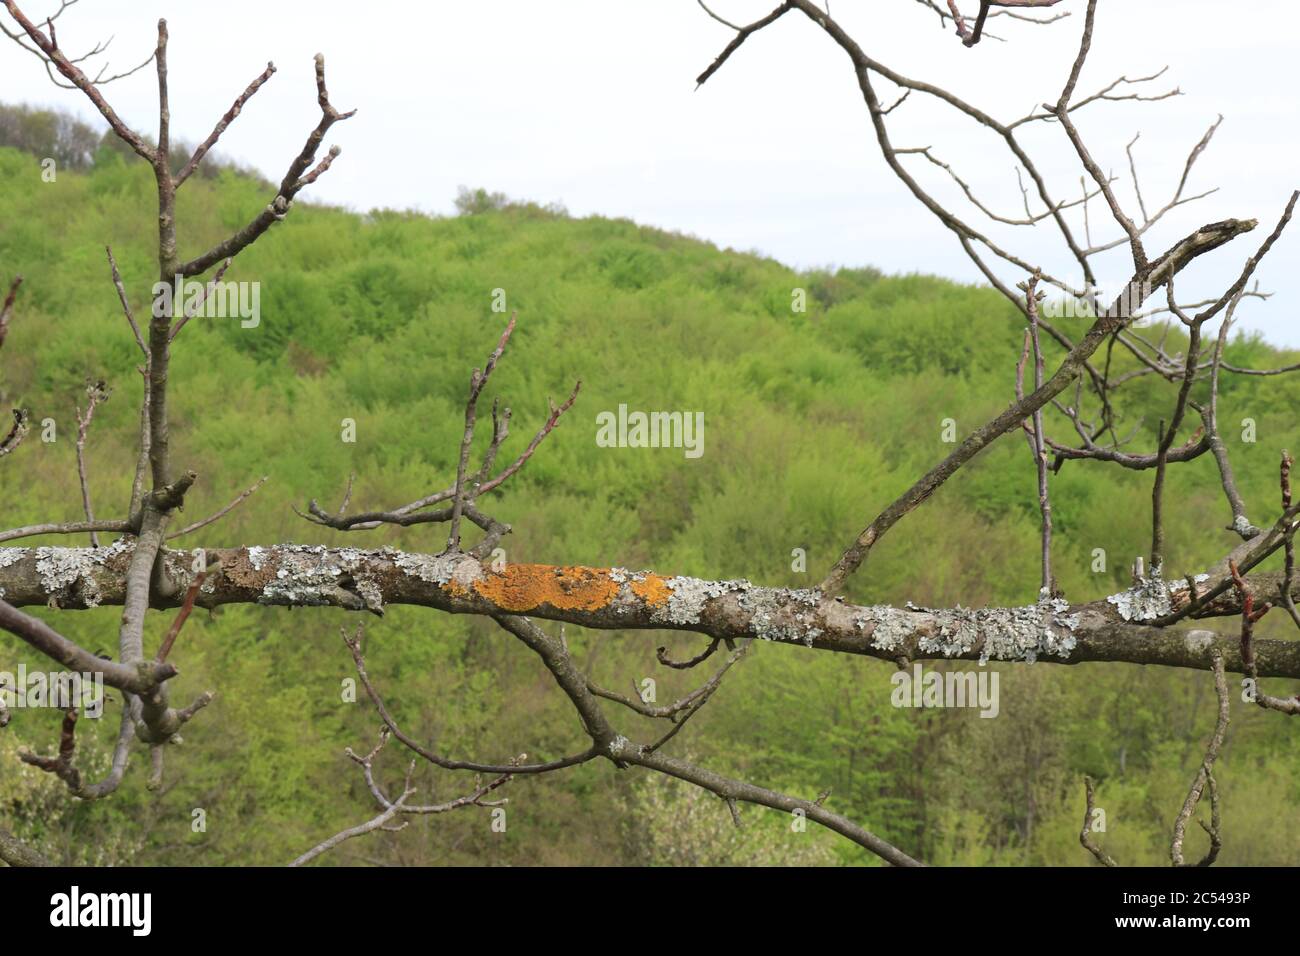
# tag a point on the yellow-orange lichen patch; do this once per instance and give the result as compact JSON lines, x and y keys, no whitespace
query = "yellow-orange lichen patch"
{"x":524,"y":587}
{"x":652,"y":589}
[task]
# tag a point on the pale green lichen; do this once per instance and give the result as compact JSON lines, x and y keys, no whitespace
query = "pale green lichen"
{"x":1002,"y":634}
{"x":891,"y":626}
{"x":782,"y":614}
{"x":430,"y":568}
{"x":689,"y":596}
{"x":67,"y":574}
{"x":313,"y":576}
{"x":10,"y":556}
{"x":1151,"y":598}
{"x":301,"y":579}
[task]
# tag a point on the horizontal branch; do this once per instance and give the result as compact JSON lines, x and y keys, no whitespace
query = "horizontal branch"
{"x":70,"y":527}
{"x":1118,"y":628}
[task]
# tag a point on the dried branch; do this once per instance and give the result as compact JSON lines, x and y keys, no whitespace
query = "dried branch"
{"x":1250,"y":614}
{"x":96,"y":392}
{"x":7,"y":308}
{"x":218,"y":515}
{"x":1205,"y":777}
{"x":690,"y":703}
{"x":951,"y":12}
{"x":476,"y":383}
{"x":1036,"y":438}
{"x":742,"y":34}
{"x":621,"y":751}
{"x":192,"y":308}
{"x":14,"y":852}
{"x":1167,"y":434}
{"x":1288,"y":576}
{"x":972,"y":36}
{"x":661,"y":655}
{"x":126,"y":304}
{"x":1062,"y":111}
{"x":1210,"y":417}
{"x":399,"y":807}
{"x":62,"y":765}
{"x":1147,"y":276}
{"x":467,"y":488}
{"x":224,"y":122}
{"x":354,"y":645}
{"x":52,"y":644}
{"x":1085,"y":834}
{"x":18,"y":430}
{"x":72,"y":73}
{"x":290,"y":186}
{"x":617,"y":599}
{"x":193,"y":592}
{"x":1177,"y":258}
{"x":71,"y":527}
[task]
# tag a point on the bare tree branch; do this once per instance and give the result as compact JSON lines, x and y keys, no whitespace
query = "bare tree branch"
{"x":96,"y":392}
{"x":1204,"y":778}
{"x":1085,"y":834}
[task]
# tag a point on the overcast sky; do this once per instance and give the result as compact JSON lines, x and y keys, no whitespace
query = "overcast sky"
{"x":592,"y":103}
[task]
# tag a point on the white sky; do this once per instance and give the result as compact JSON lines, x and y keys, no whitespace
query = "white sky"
{"x":591,"y":103}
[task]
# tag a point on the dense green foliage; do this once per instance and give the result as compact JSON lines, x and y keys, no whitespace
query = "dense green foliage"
{"x":814,"y":421}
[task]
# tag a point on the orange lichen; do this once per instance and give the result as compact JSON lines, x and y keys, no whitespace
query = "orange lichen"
{"x":653,"y":589}
{"x":524,"y":587}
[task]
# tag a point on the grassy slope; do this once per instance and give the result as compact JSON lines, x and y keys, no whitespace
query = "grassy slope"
{"x":813,"y":422}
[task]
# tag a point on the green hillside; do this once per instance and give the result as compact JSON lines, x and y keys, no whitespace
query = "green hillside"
{"x":814,"y":421}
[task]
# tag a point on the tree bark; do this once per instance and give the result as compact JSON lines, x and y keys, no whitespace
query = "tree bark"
{"x":1111,"y":629}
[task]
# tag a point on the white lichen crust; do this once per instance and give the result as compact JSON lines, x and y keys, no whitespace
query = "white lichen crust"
{"x":10,"y":556}
{"x":351,"y":577}
{"x":995,"y":634}
{"x":775,"y":614}
{"x":430,"y":568}
{"x":798,"y":615}
{"x":690,"y":595}
{"x":783,"y":614}
{"x":318,"y":576}
{"x":68,"y":574}
{"x":1150,"y":599}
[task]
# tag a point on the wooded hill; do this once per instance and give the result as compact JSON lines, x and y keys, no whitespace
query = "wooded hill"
{"x":813,"y":420}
